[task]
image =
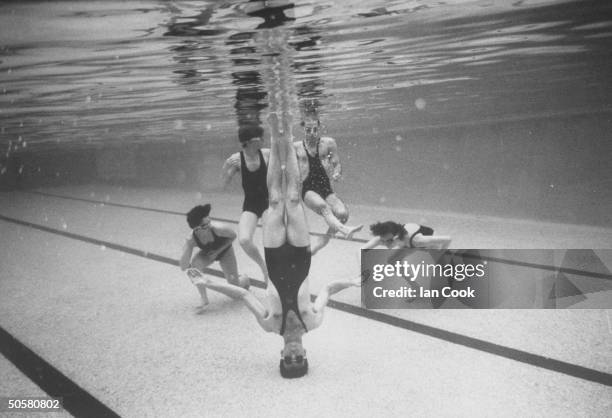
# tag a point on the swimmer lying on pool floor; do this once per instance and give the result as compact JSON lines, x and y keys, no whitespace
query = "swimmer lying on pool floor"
{"x":288,"y":309}
{"x":395,"y":235}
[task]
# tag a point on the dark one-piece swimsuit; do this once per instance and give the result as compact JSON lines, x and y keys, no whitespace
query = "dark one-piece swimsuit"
{"x":317,"y":179}
{"x":210,"y":247}
{"x":424,"y":230}
{"x":288,"y":267}
{"x":255,"y":186}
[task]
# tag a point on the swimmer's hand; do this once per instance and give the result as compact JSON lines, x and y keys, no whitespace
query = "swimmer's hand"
{"x":336,"y":176}
{"x":196,"y":275}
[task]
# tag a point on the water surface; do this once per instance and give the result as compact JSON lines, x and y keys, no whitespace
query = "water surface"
{"x":479,"y":107}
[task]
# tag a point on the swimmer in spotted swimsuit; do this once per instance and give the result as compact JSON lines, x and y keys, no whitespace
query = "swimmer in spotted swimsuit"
{"x":317,"y":155}
{"x":395,"y":235}
{"x":251,"y":162}
{"x":288,"y":309}
{"x":214,"y":241}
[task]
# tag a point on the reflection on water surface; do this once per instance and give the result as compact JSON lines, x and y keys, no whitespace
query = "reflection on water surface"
{"x":481,"y":107}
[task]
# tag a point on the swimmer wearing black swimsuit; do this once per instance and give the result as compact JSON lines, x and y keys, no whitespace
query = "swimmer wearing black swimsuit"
{"x":254,"y":186}
{"x":288,"y":267}
{"x":317,"y":179}
{"x":213,"y":246}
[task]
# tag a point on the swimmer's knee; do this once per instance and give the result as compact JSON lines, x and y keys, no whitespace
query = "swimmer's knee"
{"x":293,"y":198}
{"x":274,"y":200}
{"x":323,"y":210}
{"x":342,"y":214}
{"x":244,"y":241}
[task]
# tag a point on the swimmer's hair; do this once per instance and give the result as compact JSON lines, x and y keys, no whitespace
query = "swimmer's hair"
{"x":293,"y":370}
{"x":196,"y":214}
{"x":310,"y":117}
{"x":248,"y":132}
{"x":310,"y":113}
{"x":381,"y":228}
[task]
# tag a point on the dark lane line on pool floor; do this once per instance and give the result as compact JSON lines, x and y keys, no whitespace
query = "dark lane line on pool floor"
{"x":448,"y":336}
{"x":165,"y":211}
{"x":547,"y":267}
{"x":75,"y":399}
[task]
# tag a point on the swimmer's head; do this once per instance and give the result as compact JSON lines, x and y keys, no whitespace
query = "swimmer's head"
{"x":198,"y":214}
{"x":387,"y":231}
{"x":250,"y":134}
{"x":312,"y":127}
{"x":293,"y":361}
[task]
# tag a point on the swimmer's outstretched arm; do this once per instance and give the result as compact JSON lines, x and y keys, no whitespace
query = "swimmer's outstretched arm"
{"x":185,"y":260}
{"x":440,"y":242}
{"x":374,"y":242}
{"x":235,"y":292}
{"x":331,"y":289}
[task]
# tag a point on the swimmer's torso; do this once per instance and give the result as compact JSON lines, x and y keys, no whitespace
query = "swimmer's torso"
{"x":207,"y":240}
{"x":288,"y":268}
{"x":254,"y":183}
{"x":324,"y":148}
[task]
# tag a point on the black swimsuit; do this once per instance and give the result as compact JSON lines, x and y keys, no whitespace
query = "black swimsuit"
{"x":255,"y":186}
{"x":213,"y":246}
{"x":424,"y":230}
{"x":317,"y":179}
{"x":288,"y":267}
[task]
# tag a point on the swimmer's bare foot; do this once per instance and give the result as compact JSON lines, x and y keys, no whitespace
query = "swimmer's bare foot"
{"x":350,"y":230}
{"x":199,"y":310}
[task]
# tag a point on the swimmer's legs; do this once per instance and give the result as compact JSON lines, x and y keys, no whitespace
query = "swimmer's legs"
{"x":246,"y":229}
{"x":317,"y":204}
{"x":338,"y":207}
{"x":232,"y":291}
{"x":297,"y":227}
{"x":230,"y":269}
{"x":322,"y":241}
{"x":274,"y":230}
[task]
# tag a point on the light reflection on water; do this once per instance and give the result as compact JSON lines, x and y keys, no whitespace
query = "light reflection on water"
{"x":499,"y":107}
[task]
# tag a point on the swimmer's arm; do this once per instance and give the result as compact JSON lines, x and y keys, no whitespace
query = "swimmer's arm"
{"x":256,"y":307}
{"x":185,"y":260}
{"x":334,"y":159}
{"x":223,"y":230}
{"x":230,"y":168}
{"x":373,"y":243}
{"x":331,"y":289}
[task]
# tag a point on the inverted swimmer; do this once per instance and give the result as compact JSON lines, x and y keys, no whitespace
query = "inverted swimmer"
{"x":288,"y":309}
{"x":251,"y":163}
{"x":214,"y":241}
